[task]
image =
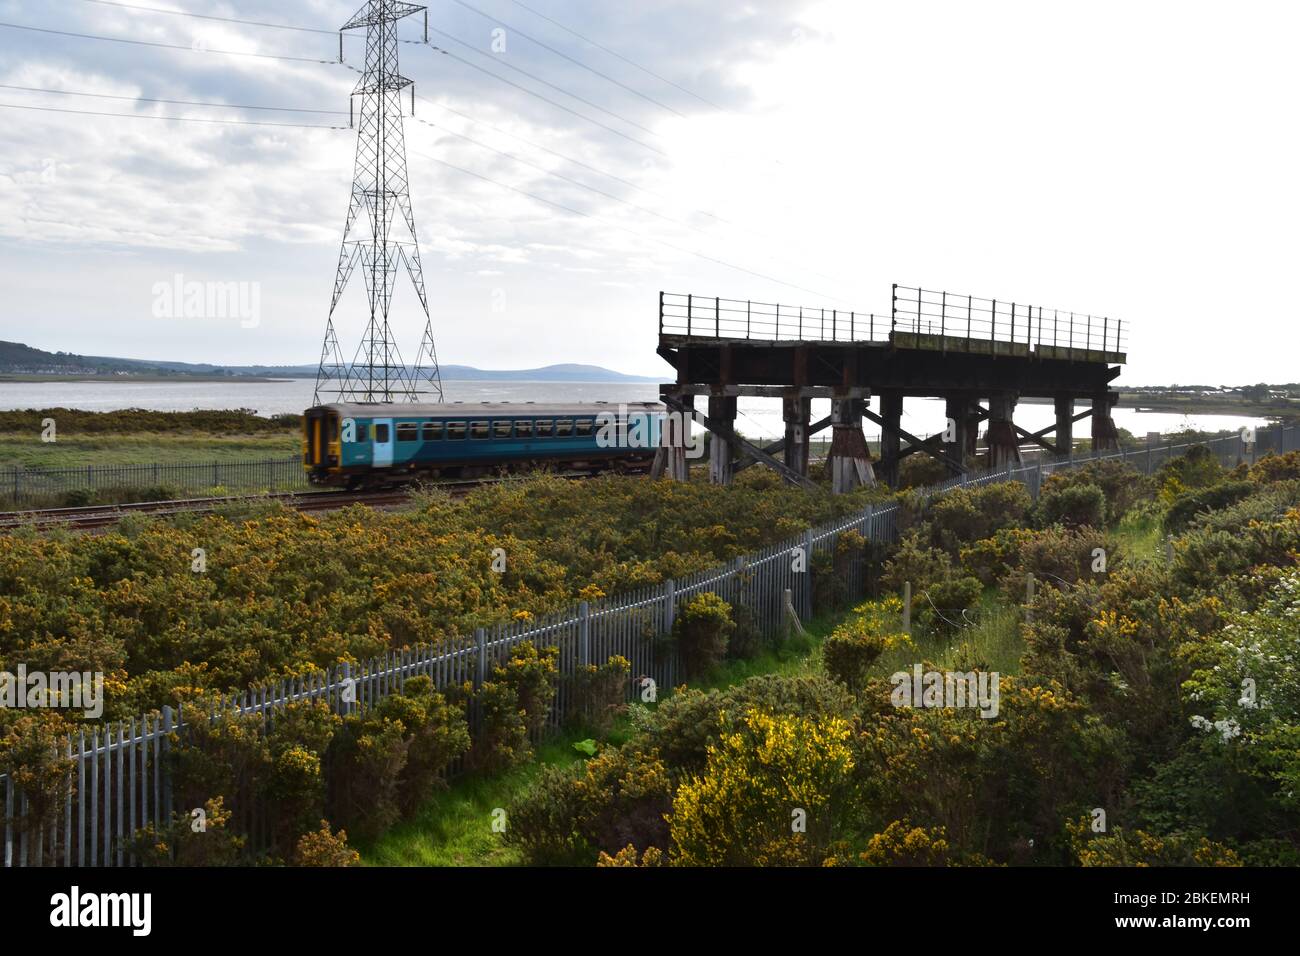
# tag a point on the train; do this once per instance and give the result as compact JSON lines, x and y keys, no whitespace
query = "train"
{"x":360,"y":446}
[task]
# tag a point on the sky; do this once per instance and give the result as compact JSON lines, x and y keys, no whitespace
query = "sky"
{"x":1133,"y":160}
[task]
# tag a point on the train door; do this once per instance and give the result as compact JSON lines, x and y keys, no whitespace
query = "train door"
{"x":382,"y":443}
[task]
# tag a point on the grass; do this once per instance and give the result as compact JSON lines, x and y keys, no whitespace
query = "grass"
{"x":144,"y":448}
{"x":992,"y":640}
{"x":454,"y":828}
{"x":1141,"y":537}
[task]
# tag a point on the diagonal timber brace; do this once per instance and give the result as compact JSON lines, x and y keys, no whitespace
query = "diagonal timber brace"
{"x":738,"y":445}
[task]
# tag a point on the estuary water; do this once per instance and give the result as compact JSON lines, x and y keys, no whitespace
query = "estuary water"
{"x":758,"y":417}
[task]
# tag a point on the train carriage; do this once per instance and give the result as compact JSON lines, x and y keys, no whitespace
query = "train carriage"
{"x":359,"y":445}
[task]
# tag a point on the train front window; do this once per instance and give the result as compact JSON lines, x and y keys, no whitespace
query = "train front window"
{"x":545,"y":428}
{"x":408,"y":431}
{"x":478,"y":430}
{"x":432,"y":431}
{"x":585,"y":426}
{"x":523,"y":429}
{"x":455,"y":431}
{"x":500,"y":429}
{"x":564,"y":428}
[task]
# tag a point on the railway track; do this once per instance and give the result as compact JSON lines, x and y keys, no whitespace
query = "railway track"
{"x":103,"y":516}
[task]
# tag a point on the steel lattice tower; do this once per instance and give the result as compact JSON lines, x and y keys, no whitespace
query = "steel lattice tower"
{"x":381,"y":188}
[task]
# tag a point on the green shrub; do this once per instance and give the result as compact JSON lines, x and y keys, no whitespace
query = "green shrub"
{"x":1188,"y":505}
{"x":502,"y":739}
{"x":599,"y":694}
{"x":701,"y":630}
{"x":542,"y":821}
{"x":851,"y":650}
{"x":1074,"y":506}
{"x":324,"y":848}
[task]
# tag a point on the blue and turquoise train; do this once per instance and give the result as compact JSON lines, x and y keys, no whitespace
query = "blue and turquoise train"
{"x":361,"y":446}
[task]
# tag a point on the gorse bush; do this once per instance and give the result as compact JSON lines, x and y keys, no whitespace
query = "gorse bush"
{"x":702,"y":628}
{"x":284,"y":592}
{"x":850,"y":651}
{"x":1074,"y":506}
{"x":771,"y":792}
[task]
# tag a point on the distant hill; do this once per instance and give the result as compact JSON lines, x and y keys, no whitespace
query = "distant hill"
{"x":18,"y":359}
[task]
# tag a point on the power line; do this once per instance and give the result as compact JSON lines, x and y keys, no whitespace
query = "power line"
{"x":544,"y":99}
{"x":593,"y":189}
{"x":561,"y":176}
{"x":641,"y":235}
{"x":148,"y":99}
{"x":497,"y":76}
{"x":172,"y":119}
{"x":573,"y":60}
{"x":616,"y":54}
{"x":207,"y":16}
{"x":166,"y":46}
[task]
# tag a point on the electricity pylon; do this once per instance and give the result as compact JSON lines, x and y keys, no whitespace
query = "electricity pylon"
{"x":381,"y":188}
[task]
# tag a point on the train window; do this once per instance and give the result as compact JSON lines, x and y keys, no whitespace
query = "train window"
{"x":478,"y":430}
{"x":361,"y":433}
{"x":333,"y":429}
{"x":455,"y":431}
{"x":564,"y":428}
{"x":500,"y":429}
{"x":432,"y":431}
{"x":408,"y":431}
{"x":381,"y":434}
{"x":523,"y":429}
{"x":545,"y":428}
{"x":585,"y":426}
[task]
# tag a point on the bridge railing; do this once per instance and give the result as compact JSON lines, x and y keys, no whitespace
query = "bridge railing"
{"x":713,"y":317}
{"x":1051,"y":332}
{"x":919,"y":318}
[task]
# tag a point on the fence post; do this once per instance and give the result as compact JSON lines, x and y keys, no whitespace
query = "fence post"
{"x":808,"y":574}
{"x":670,"y":600}
{"x":346,"y":706}
{"x":480,"y":671}
{"x":907,"y":607}
{"x":584,"y":633}
{"x":168,"y":724}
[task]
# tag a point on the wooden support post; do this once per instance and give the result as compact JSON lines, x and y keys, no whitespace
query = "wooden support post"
{"x":891,"y":411}
{"x":1105,"y":437}
{"x":1004,"y":444}
{"x":797,"y":411}
{"x":956,"y":439}
{"x":722,"y":411}
{"x":670,"y":456}
{"x":1064,"y":425}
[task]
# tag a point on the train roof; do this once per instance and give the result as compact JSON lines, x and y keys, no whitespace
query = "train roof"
{"x":485,"y":409}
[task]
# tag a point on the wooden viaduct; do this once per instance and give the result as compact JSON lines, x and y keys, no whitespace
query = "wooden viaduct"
{"x":980,"y":356}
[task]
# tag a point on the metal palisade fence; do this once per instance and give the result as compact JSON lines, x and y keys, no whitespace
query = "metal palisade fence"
{"x":119,"y":781}
{"x":49,"y":486}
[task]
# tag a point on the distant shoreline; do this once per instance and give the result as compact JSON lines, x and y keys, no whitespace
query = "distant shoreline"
{"x":254,"y":380}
